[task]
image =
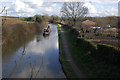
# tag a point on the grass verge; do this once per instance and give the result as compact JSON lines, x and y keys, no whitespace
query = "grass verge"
{"x":67,"y":69}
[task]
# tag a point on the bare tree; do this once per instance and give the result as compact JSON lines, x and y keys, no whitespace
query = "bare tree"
{"x":74,"y":10}
{"x":3,"y":10}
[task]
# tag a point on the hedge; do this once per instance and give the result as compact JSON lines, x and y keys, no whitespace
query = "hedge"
{"x":86,"y":45}
{"x":102,"y":52}
{"x":109,"y":53}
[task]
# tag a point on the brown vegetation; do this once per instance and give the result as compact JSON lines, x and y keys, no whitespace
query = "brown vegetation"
{"x":14,"y":21}
{"x":15,"y":29}
{"x":104,"y":21}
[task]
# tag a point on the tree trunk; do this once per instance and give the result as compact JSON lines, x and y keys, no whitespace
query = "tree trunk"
{"x":74,"y":21}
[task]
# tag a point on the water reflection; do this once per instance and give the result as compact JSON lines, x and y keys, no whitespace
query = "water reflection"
{"x":41,"y":59}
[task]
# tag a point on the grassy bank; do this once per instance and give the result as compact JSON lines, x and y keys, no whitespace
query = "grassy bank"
{"x":15,"y":29}
{"x":63,"y":60}
{"x":87,"y":60}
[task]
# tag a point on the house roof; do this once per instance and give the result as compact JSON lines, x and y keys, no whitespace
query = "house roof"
{"x":89,"y":23}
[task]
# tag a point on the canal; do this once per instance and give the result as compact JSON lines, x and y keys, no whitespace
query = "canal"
{"x":37,"y":57}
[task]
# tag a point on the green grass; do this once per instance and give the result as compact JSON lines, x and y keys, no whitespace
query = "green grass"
{"x":87,"y":63}
{"x":63,"y":60}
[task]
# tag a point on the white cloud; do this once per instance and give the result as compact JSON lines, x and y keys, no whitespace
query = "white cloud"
{"x":102,"y":1}
{"x":23,"y":7}
{"x":4,"y":0}
{"x":19,"y":6}
{"x":48,"y":9}
{"x":95,"y":1}
{"x":112,"y":11}
{"x":100,"y":8}
{"x":53,"y":5}
{"x":91,"y":8}
{"x":108,"y":12}
{"x":37,"y":3}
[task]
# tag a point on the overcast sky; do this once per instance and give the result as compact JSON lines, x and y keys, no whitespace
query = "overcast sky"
{"x":26,"y":8}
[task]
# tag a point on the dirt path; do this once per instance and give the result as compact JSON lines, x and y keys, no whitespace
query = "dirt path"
{"x":69,"y":57}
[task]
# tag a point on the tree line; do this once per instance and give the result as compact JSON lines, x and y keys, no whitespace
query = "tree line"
{"x":41,"y":18}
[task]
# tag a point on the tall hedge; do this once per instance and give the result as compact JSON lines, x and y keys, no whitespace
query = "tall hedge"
{"x":108,"y":53}
{"x":102,"y":52}
{"x":86,"y":45}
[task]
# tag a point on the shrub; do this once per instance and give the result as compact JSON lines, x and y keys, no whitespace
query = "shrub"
{"x":54,"y":19}
{"x":38,"y":19}
{"x":99,"y":34}
{"x":30,"y":19}
{"x":92,"y":38}
{"x":108,"y":35}
{"x":84,"y":35}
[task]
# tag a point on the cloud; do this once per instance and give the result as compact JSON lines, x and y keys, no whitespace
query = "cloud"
{"x":119,"y":8}
{"x":103,"y":1}
{"x":53,"y":5}
{"x":4,"y":0}
{"x":91,"y":8}
{"x":32,"y":7}
{"x":100,"y":8}
{"x":113,"y":11}
{"x":21,"y":8}
{"x":48,"y":9}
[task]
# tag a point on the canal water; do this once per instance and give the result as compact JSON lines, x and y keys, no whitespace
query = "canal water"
{"x":36,"y":58}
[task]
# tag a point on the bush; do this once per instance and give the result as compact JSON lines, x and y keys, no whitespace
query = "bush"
{"x":38,"y":19}
{"x":84,"y":35}
{"x":54,"y":19}
{"x":30,"y":19}
{"x":108,"y":35}
{"x":92,"y":38}
{"x":99,"y":34}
